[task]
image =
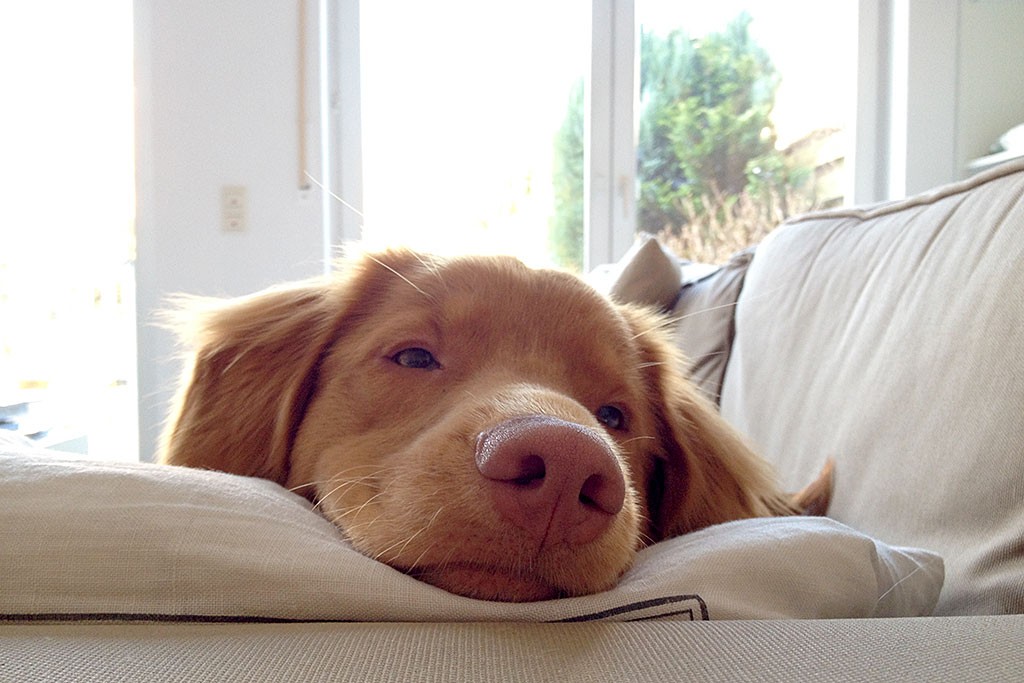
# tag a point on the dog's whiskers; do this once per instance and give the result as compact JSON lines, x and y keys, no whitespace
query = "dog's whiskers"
{"x":322,"y":498}
{"x":413,"y":537}
{"x":676,"y":319}
{"x":358,"y":509}
{"x":339,"y":481}
{"x":404,"y":543}
{"x":332,"y":195}
{"x":343,"y":475}
{"x":352,"y":530}
{"x":447,"y":559}
{"x":399,"y":276}
{"x":431,"y":267}
{"x":341,"y":484}
{"x":641,"y":437}
{"x":415,"y":563}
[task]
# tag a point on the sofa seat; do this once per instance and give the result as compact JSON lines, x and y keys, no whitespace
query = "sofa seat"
{"x":913,"y":649}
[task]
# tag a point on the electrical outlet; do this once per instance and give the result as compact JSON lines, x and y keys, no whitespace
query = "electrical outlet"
{"x":234,"y":208}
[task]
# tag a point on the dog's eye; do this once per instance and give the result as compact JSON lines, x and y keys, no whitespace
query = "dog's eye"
{"x":611,"y":417}
{"x":416,"y":358}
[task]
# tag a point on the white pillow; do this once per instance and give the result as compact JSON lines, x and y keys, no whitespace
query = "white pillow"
{"x":139,"y":541}
{"x":647,"y":275}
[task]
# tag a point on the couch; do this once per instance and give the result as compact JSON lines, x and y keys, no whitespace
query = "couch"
{"x":889,"y":338}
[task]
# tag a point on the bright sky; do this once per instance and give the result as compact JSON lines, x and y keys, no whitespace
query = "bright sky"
{"x":461,"y":101}
{"x":66,"y":132}
{"x":813,"y":44}
{"x":66,"y":184}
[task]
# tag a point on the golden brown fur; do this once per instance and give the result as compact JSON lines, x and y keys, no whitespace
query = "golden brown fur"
{"x":301,"y":385}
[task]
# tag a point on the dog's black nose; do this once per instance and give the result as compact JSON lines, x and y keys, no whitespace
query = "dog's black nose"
{"x":559,"y":481}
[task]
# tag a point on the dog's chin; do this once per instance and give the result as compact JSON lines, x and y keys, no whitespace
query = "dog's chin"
{"x":488,"y":583}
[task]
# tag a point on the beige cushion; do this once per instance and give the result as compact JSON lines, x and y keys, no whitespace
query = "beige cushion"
{"x":703,"y":319}
{"x":892,"y":339}
{"x":699,"y":297}
{"x":647,"y":275}
{"x":130,"y":541}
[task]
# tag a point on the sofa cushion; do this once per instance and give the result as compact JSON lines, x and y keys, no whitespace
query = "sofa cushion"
{"x":116,"y":541}
{"x":647,"y":275}
{"x":698,"y":297}
{"x":892,"y":339}
{"x":703,"y":321}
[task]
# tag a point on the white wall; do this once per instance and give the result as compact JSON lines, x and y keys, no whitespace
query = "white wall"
{"x":958,"y":79}
{"x":924,"y":139}
{"x":217,"y":104}
{"x":991,"y":74}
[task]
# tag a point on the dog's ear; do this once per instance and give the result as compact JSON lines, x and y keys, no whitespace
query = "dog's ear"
{"x":252,"y":374}
{"x":706,"y":473}
{"x":814,"y":499}
{"x":256,"y":361}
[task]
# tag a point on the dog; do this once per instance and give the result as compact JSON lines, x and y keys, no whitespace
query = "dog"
{"x":501,"y":432}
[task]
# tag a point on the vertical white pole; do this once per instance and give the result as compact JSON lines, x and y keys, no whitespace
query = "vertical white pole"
{"x":341,"y":131}
{"x":609,"y":213}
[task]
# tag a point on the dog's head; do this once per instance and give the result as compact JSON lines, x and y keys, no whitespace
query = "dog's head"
{"x":501,"y":432}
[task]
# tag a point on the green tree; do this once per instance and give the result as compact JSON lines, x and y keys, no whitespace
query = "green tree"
{"x":705,"y":136}
{"x":705,"y":123}
{"x":566,"y":227}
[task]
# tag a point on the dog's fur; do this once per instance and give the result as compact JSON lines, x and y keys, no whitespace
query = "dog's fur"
{"x":307,"y":385}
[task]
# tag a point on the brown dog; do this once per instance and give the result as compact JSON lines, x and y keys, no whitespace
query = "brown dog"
{"x":501,"y":432}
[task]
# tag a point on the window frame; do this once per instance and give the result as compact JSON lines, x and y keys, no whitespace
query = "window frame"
{"x":609,"y":128}
{"x":879,"y":155}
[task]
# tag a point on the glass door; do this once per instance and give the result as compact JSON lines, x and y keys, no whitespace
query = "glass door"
{"x":745,"y":117}
{"x":67,"y":313}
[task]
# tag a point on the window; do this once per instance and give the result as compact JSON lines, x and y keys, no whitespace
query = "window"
{"x":461,"y":103}
{"x":505,"y":127}
{"x":67,"y":356}
{"x":745,"y":117}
